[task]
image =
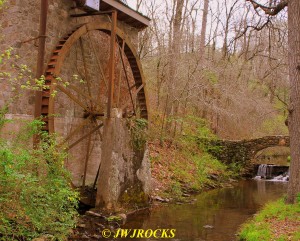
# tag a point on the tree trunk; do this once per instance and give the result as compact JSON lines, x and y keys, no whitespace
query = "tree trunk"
{"x":294,"y":117}
{"x":174,"y":55}
{"x":226,"y":29}
{"x":203,"y":29}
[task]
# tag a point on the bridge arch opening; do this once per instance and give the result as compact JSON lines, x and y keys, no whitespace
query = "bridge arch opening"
{"x":277,"y":155}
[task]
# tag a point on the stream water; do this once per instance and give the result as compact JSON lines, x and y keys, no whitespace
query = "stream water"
{"x":214,"y":215}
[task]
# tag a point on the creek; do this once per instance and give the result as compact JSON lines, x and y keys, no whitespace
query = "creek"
{"x":214,"y":215}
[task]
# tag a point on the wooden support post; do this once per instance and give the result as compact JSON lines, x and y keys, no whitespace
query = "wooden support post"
{"x":41,"y":54}
{"x":112,"y":63}
{"x":86,"y":160}
{"x":120,"y":76}
{"x":40,"y":59}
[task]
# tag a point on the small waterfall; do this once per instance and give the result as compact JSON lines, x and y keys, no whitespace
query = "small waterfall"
{"x":283,"y":177}
{"x":265,"y":171}
{"x":262,"y":170}
{"x":272,"y":172}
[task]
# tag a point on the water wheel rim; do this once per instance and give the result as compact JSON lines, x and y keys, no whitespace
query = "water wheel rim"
{"x":56,"y":65}
{"x":129,"y":52}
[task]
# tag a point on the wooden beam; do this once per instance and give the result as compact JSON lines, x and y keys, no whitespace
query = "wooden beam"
{"x":88,"y":153}
{"x":128,"y":11}
{"x":112,"y":63}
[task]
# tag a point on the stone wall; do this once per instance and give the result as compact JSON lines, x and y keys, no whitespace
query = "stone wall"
{"x":244,"y":150}
{"x":19,"y":21}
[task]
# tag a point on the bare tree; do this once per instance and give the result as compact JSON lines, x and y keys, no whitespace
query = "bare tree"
{"x":232,"y":94}
{"x":294,"y":75}
{"x":294,"y":110}
{"x":203,"y":29}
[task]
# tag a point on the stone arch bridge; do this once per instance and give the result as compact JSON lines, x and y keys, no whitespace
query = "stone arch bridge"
{"x":242,"y":151}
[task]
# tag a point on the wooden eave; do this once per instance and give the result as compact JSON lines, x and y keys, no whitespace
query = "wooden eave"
{"x":125,"y":13}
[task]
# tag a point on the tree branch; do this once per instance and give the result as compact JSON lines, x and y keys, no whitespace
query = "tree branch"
{"x":270,"y":10}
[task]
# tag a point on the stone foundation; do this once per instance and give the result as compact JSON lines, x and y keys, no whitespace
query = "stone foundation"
{"x":124,"y":176}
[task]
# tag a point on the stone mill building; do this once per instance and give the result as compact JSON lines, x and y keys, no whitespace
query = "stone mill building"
{"x":93,"y":88}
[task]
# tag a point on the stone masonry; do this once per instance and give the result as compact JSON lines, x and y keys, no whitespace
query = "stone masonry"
{"x":244,"y":150}
{"x":19,"y":29}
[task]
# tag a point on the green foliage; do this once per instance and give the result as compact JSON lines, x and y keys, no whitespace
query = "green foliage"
{"x":256,"y":84}
{"x":3,"y":111}
{"x":175,"y":190}
{"x":275,"y":125}
{"x":191,"y":166}
{"x":193,"y":129}
{"x":113,"y":219}
{"x":253,"y":232}
{"x":296,"y":236}
{"x":259,"y":229}
{"x":196,"y":126}
{"x":211,"y":76}
{"x":195,"y":171}
{"x":138,"y":130}
{"x":20,"y":77}
{"x":36,"y":198}
{"x":207,"y":166}
{"x":1,"y":3}
{"x":197,"y":135}
{"x":35,"y":193}
{"x":298,"y":198}
{"x":235,"y":169}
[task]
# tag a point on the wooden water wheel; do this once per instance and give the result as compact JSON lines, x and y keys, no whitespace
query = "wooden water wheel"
{"x":75,"y":104}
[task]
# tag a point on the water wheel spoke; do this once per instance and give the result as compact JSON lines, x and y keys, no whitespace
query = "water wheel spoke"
{"x":72,"y":97}
{"x":88,"y":153}
{"x":85,"y":136}
{"x":98,"y":131}
{"x":76,"y":130}
{"x":120,"y":77}
{"x":86,"y":74}
{"x":86,"y":53}
{"x":127,"y":79}
{"x":102,"y":72}
{"x":134,"y":96}
{"x":99,"y":64}
{"x":97,"y":174}
{"x":80,"y":92}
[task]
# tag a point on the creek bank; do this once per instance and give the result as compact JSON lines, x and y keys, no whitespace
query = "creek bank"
{"x":178,"y":174}
{"x":93,"y":221}
{"x":179,"y":171}
{"x":211,"y":215}
{"x":276,"y":221}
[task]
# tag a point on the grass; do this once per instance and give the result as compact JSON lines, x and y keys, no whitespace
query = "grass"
{"x":179,"y":170}
{"x":276,"y":221}
{"x":180,"y":163}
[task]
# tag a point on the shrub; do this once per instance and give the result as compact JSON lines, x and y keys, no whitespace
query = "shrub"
{"x":138,"y":130}
{"x":35,"y":195}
